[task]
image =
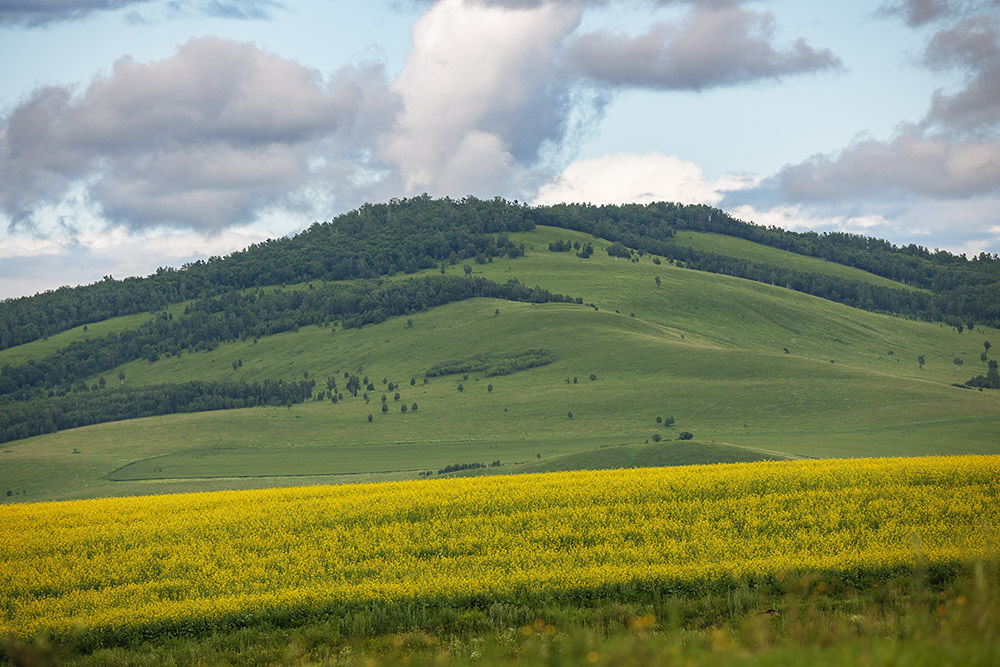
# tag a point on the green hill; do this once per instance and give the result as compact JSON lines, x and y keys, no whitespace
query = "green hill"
{"x":752,"y":370}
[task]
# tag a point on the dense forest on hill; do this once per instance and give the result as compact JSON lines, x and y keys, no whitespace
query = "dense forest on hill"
{"x":418,"y":233}
{"x":375,"y":240}
{"x":23,"y":419}
{"x":52,"y":393}
{"x":961,"y":290}
{"x":248,"y":315}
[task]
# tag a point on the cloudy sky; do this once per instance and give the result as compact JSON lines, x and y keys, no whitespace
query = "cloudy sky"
{"x":144,"y":133}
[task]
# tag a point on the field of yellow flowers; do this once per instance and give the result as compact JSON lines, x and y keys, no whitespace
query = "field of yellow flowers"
{"x":144,"y":565}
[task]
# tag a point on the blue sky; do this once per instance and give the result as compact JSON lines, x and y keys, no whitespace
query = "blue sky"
{"x":144,"y":133}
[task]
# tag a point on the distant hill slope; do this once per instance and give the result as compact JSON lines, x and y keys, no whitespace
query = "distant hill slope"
{"x":705,"y":349}
{"x":617,"y":331}
{"x":413,"y":234}
{"x":742,"y":249}
{"x":653,"y":455}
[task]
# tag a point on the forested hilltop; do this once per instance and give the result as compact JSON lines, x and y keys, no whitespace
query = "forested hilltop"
{"x":407,"y":235}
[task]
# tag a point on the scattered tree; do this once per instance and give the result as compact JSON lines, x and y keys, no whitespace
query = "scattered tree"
{"x":618,"y":249}
{"x":684,"y":435}
{"x":920,"y":360}
{"x":657,"y":280}
{"x":657,"y":437}
{"x":370,"y":417}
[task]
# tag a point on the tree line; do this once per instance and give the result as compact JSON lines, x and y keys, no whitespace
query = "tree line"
{"x":403,"y":235}
{"x":248,"y":315}
{"x":407,"y":235}
{"x":23,"y":419}
{"x":962,"y":290}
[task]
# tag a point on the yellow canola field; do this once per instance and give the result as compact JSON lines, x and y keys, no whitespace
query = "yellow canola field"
{"x":112,"y":565}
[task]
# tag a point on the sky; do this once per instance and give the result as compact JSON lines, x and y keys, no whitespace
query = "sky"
{"x":136,"y":134}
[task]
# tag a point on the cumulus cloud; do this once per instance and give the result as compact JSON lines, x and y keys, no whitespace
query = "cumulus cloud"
{"x":203,"y":139}
{"x":490,"y":84}
{"x":911,"y":163}
{"x":33,"y":13}
{"x":953,"y":153}
{"x":624,"y":178}
{"x":480,"y":90}
{"x":28,"y":265}
{"x":719,"y":46}
{"x":971,"y":45}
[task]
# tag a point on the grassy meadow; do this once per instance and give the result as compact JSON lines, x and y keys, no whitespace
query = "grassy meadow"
{"x":705,"y":349}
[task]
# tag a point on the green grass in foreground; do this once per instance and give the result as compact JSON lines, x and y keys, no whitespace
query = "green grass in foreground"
{"x":912,"y":616}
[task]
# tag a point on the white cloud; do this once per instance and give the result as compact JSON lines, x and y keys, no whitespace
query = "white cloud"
{"x":205,"y":139}
{"x":711,"y":46}
{"x":33,"y":264}
{"x":795,"y":217}
{"x":633,"y":178}
{"x":480,"y":82}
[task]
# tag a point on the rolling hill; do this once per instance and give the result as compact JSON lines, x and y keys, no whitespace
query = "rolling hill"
{"x":750,"y":369}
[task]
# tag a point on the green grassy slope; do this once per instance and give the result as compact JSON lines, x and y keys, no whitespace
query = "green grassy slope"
{"x":732,"y":246}
{"x":742,"y":314}
{"x":652,"y":455}
{"x":43,"y":347}
{"x":703,"y":348}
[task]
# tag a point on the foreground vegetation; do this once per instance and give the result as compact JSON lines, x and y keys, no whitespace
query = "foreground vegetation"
{"x":917,"y":616}
{"x":370,"y":559}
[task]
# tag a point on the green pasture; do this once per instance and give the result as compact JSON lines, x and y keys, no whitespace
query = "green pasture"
{"x":37,"y":349}
{"x":743,"y":314}
{"x":652,"y":455}
{"x":708,"y":350}
{"x":732,"y":246}
{"x":643,"y":370}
